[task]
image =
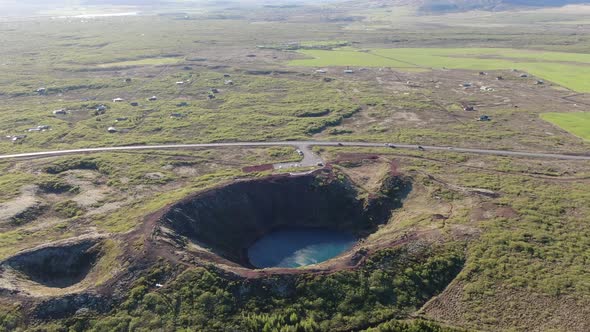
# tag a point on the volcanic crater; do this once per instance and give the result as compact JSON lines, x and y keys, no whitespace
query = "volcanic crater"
{"x":222,"y":223}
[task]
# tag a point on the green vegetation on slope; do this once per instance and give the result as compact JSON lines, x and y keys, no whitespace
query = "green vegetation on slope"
{"x":391,"y":284}
{"x":575,"y":123}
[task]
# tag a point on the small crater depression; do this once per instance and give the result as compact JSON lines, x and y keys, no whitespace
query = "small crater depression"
{"x":57,"y":266}
{"x":281,"y":221}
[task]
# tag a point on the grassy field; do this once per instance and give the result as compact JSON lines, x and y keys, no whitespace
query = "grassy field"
{"x":566,"y":69}
{"x":575,"y":123}
{"x":247,"y":110}
{"x":142,"y":62}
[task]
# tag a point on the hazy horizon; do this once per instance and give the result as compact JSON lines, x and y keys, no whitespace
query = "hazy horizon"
{"x":39,"y":7}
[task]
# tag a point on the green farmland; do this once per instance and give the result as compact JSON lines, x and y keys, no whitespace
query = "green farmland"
{"x":567,"y":69}
{"x":575,"y":123}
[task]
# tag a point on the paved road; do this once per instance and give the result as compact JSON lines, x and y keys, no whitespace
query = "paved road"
{"x":309,"y":158}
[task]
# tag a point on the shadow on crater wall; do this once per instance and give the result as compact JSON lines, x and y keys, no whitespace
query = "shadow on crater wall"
{"x":59,"y":266}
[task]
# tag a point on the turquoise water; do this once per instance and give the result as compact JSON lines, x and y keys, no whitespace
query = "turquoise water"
{"x":298,"y":247}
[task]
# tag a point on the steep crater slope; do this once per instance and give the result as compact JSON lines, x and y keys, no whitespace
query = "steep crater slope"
{"x":229,"y":219}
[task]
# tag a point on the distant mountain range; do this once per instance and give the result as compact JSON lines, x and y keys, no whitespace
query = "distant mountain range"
{"x":459,"y":5}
